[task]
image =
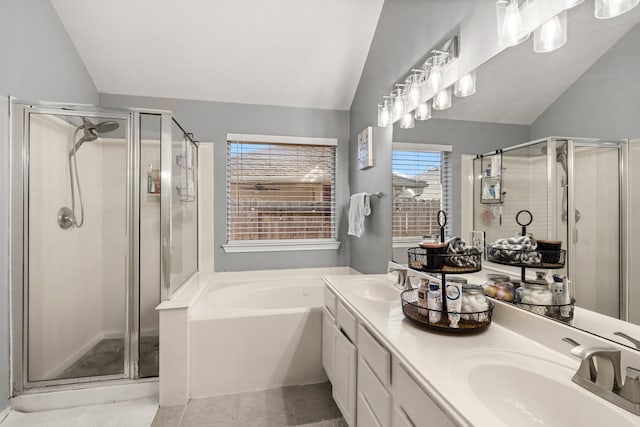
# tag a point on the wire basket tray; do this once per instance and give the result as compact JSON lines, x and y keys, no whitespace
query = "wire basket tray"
{"x":527,"y":259}
{"x":563,"y":312}
{"x":420,"y":259}
{"x":438,"y":319}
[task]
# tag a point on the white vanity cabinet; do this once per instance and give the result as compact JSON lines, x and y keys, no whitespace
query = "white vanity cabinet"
{"x":328,"y":336}
{"x":412,"y":405}
{"x":370,"y":386}
{"x":374,"y":379}
{"x":344,"y":382}
{"x":339,"y":354}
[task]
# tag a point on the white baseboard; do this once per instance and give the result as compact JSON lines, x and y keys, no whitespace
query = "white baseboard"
{"x":94,"y":395}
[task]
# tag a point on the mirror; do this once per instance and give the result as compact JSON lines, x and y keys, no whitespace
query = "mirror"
{"x":586,"y":90}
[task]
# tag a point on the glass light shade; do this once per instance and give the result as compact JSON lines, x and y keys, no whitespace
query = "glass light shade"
{"x":568,"y":4}
{"x":407,"y":121}
{"x":434,"y":82}
{"x":384,"y":114}
{"x":605,"y":9}
{"x":442,"y":100}
{"x":511,"y":29}
{"x":423,"y":112}
{"x":551,"y":35}
{"x":413,"y":91}
{"x":398,"y":104}
{"x":466,"y":86}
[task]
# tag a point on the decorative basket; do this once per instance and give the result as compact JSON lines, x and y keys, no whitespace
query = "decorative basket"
{"x":438,"y":319}
{"x":563,"y":312}
{"x":420,"y":259}
{"x":527,"y":259}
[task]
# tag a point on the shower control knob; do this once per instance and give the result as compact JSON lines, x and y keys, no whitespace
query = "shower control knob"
{"x":65,"y":218}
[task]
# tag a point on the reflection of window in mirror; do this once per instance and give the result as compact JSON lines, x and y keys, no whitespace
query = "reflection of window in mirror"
{"x":421,"y":187}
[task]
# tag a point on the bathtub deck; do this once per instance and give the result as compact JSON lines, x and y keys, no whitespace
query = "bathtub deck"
{"x":286,"y":406}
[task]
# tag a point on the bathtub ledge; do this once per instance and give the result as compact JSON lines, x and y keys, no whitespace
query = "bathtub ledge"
{"x":188,"y":293}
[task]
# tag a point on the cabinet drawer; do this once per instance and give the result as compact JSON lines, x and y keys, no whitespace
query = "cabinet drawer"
{"x":412,"y":402}
{"x":378,"y":357}
{"x":347,"y":322}
{"x":330,"y":301}
{"x":374,"y":393}
{"x":366,"y":417}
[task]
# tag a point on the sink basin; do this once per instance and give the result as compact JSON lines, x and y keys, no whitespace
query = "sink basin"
{"x":522,"y":390}
{"x":373,"y":288}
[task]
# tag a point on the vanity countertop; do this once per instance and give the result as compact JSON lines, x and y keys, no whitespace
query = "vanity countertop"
{"x":432,"y":357}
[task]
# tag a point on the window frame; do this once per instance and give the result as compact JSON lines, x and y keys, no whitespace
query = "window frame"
{"x":244,"y":246}
{"x":447,"y":202}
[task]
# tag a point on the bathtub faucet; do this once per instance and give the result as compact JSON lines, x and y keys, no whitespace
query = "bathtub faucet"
{"x":400,"y":271}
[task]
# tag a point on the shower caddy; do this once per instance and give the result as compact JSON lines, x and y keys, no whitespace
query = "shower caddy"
{"x":420,"y":259}
{"x":549,"y":260}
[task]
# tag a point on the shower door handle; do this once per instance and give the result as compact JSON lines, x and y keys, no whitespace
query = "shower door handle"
{"x":575,"y":235}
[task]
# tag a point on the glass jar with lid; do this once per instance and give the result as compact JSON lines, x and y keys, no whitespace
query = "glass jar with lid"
{"x":499,"y":286}
{"x":474,"y":303}
{"x":535,"y":296}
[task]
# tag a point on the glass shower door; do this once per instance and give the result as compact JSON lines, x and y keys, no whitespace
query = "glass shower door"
{"x":594,"y":227}
{"x":76,"y":299}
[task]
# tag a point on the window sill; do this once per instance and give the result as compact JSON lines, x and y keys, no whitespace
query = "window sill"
{"x":280,"y":246}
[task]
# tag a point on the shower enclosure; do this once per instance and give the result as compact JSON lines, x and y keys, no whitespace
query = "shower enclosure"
{"x":573,"y":187}
{"x":104,"y":226}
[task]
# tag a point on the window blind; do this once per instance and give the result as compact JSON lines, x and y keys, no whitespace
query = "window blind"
{"x":421,"y":187}
{"x":280,"y":191}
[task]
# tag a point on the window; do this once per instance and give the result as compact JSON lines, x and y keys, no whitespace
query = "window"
{"x":421,"y":187}
{"x":280,"y":193}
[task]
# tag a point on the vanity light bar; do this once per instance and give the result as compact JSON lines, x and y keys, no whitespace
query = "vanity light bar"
{"x":411,"y":99}
{"x":552,"y":34}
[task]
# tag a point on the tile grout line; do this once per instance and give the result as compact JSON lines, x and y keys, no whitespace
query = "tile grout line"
{"x":184,"y":409}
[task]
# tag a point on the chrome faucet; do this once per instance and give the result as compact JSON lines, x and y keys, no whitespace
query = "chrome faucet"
{"x":402,"y":281}
{"x":603,"y":377}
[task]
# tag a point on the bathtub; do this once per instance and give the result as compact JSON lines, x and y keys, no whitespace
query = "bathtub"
{"x":257,"y":330}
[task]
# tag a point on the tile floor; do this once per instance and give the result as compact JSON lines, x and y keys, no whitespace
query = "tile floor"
{"x":107,"y":358}
{"x":280,"y":407}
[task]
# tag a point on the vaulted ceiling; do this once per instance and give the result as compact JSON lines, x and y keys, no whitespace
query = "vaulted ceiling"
{"x":296,"y":53}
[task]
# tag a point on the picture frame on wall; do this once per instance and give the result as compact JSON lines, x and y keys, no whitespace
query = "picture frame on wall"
{"x":365,"y":148}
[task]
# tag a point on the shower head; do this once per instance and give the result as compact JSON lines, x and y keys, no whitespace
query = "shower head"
{"x":561,"y":156}
{"x":91,"y":131}
{"x":107,"y":126}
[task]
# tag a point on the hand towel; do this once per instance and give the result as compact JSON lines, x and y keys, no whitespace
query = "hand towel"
{"x":359,"y":208}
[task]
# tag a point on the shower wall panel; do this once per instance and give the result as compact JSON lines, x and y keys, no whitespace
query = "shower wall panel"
{"x":525,"y":182}
{"x":66,"y":272}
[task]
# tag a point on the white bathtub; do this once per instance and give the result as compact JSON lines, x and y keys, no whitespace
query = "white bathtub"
{"x":262,"y":297}
{"x":258,"y":330}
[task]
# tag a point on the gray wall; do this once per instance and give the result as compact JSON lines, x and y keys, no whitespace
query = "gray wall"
{"x":465,"y":137}
{"x":603,"y":102}
{"x":211,"y":121}
{"x":407,"y":29}
{"x":39,"y":62}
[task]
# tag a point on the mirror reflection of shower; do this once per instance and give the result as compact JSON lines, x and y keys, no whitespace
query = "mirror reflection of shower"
{"x":561,"y":157}
{"x":68,"y":217}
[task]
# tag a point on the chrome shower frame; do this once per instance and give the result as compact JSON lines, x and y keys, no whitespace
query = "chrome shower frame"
{"x":19,"y":121}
